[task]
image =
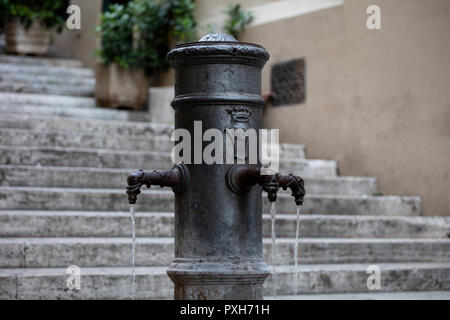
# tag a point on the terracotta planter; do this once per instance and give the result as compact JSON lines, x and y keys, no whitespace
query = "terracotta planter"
{"x":117,"y":87}
{"x":34,"y":40}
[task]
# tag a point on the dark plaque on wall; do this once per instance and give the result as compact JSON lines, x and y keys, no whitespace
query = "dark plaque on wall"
{"x":288,"y":82}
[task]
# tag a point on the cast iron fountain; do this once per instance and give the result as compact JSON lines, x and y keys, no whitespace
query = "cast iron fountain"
{"x":218,"y":207}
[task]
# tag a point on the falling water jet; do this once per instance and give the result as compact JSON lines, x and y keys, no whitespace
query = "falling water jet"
{"x":133,"y":250}
{"x":273,"y":213}
{"x":297,"y":231}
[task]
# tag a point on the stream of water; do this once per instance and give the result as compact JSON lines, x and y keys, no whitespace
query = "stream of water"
{"x":273,"y":213}
{"x":133,"y":250}
{"x":297,"y":231}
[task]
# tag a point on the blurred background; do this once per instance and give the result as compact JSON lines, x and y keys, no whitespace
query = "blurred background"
{"x":375,"y":100}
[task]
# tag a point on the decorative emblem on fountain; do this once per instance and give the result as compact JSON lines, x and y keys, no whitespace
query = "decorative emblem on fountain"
{"x":237,"y":127}
{"x":239,"y":118}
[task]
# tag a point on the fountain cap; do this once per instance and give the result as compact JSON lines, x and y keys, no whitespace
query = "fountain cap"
{"x":218,"y":48}
{"x":218,"y":37}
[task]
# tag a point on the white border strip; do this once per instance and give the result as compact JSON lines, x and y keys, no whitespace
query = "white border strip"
{"x":279,"y":10}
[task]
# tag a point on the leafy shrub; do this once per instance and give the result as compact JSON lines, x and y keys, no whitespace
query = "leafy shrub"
{"x":138,"y":35}
{"x":237,"y":20}
{"x":49,"y":12}
{"x":182,"y":20}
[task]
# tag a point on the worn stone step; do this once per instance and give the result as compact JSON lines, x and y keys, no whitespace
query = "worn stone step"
{"x":81,"y":157}
{"x":81,"y":113}
{"x":22,"y":223}
{"x":116,"y":252}
{"x":115,"y":122}
{"x":347,"y":278}
{"x":107,"y":128}
{"x":35,"y":61}
{"x":39,"y":70}
{"x":56,"y":89}
{"x":109,"y":158}
{"x":40,"y":198}
{"x":44,"y":79}
{"x":153,"y":282}
{"x":80,"y":177}
{"x":10,"y":99}
{"x":409,"y":295}
{"x":291,"y":150}
{"x":32,"y":137}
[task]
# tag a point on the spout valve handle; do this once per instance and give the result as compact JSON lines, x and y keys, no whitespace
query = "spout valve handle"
{"x":272,"y":188}
{"x":135,"y":182}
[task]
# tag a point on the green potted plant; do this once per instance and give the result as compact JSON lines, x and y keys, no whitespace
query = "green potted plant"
{"x":237,"y":20}
{"x":135,"y":40}
{"x":28,"y":24}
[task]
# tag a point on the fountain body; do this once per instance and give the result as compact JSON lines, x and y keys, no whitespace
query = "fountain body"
{"x":218,"y":207}
{"x":218,"y":233}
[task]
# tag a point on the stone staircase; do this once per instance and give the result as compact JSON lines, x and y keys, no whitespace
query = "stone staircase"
{"x":63,"y":168}
{"x":45,"y":76}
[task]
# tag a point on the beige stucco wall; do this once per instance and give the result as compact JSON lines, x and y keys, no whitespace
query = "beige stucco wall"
{"x":81,"y":44}
{"x":376,"y":101}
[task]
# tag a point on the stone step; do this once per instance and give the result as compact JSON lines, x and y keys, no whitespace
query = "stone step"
{"x":45,"y":100}
{"x":80,"y":177}
{"x":116,"y":252}
{"x":153,"y":283}
{"x":409,"y":295}
{"x":291,"y":150}
{"x":82,"y":114}
{"x":54,"y":89}
{"x":34,"y":61}
{"x":347,"y":278}
{"x":20,"y":223}
{"x":33,"y":137}
{"x":103,"y":127}
{"x":80,"y":157}
{"x":109,"y":158}
{"x":40,"y":70}
{"x":40,"y":198}
{"x":114,"y":122}
{"x":25,"y":79}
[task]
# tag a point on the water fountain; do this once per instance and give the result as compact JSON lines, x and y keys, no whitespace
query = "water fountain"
{"x":218,"y":207}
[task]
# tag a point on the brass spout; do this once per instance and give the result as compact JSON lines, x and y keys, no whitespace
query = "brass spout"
{"x":240,"y":178}
{"x":177,"y":179}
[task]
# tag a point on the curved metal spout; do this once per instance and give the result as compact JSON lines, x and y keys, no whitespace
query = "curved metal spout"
{"x":177,"y":179}
{"x":240,"y":178}
{"x":297,"y":186}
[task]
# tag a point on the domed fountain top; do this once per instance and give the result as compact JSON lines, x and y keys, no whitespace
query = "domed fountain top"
{"x":218,"y":48}
{"x":222,"y":37}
